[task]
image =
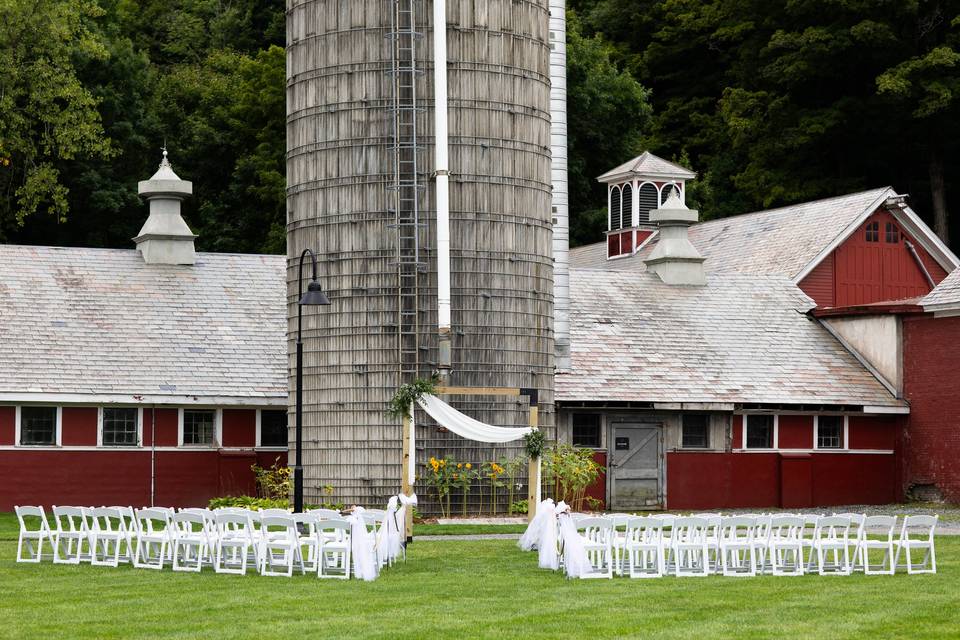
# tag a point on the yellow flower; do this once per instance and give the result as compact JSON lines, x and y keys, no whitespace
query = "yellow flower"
{"x":468,"y":466}
{"x":443,"y":463}
{"x":459,"y":465}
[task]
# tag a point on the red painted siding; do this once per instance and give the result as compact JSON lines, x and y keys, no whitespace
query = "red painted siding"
{"x":819,"y":283}
{"x":167,"y":425}
{"x":79,"y":426}
{"x":598,"y":490}
{"x":874,"y":432}
{"x":795,"y":432}
{"x":762,"y":480}
{"x":239,"y":428}
{"x":8,"y":427}
{"x":861,"y":272}
{"x":931,"y":383}
{"x":737,"y":427}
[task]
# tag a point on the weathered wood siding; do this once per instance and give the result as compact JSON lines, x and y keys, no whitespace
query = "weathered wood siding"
{"x":339,"y":167}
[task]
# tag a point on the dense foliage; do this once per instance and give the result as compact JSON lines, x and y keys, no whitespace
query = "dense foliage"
{"x":770,"y":102}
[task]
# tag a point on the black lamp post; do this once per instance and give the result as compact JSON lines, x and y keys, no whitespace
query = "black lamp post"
{"x":313,"y":296}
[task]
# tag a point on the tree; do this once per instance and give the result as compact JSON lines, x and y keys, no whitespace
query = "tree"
{"x":607,"y":113}
{"x":49,"y":116}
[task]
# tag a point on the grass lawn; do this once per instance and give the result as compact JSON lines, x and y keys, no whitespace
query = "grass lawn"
{"x":472,"y":589}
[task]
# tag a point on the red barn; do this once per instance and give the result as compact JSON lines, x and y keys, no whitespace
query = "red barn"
{"x":716,"y":365}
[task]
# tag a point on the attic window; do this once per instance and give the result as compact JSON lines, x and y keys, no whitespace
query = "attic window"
{"x":614,"y":208}
{"x":893,"y":233}
{"x":873,"y":232}
{"x":626,"y":207}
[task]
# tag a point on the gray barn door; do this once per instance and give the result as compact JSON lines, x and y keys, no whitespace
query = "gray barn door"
{"x":636,"y":457}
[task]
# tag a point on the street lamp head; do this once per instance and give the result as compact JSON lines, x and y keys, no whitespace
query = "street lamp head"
{"x":314,"y":295}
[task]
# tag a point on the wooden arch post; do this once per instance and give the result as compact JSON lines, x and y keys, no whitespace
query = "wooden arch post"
{"x":533,"y":486}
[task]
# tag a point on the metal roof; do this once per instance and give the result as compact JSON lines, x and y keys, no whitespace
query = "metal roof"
{"x":101,"y":322}
{"x":742,"y":338}
{"x":649,"y":166}
{"x":782,"y":241}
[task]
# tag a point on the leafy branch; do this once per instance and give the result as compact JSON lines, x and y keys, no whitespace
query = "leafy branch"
{"x":534,"y":443}
{"x":409,"y":393}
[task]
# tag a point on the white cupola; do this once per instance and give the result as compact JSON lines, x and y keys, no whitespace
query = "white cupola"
{"x":674,"y":258}
{"x":165,"y":237}
{"x":634,"y":189}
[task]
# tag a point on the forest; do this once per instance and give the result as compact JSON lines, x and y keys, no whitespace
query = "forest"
{"x":770,"y":102}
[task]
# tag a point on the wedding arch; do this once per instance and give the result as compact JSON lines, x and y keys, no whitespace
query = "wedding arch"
{"x":471,"y":429}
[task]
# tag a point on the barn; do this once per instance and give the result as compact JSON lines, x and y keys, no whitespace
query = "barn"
{"x":794,"y":362}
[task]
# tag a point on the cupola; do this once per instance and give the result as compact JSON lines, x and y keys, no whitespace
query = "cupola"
{"x":634,"y":189}
{"x":165,"y":237}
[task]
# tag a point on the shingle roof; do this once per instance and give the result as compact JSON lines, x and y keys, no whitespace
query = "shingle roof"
{"x":741,"y":339}
{"x":650,"y":165}
{"x":945,"y":294}
{"x":781,"y":241}
{"x":101,"y":321}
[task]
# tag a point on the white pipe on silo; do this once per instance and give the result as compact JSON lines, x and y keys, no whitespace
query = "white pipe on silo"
{"x":443,"y":187}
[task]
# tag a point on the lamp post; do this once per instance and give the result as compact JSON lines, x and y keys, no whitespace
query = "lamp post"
{"x":313,"y":296}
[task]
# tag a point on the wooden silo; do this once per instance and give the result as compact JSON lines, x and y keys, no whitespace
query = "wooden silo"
{"x":360,"y":188}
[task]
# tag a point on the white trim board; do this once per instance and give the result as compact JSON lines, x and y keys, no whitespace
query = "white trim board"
{"x":92,"y":399}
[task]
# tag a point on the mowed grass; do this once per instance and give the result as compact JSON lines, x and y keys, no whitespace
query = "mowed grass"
{"x":485,"y":588}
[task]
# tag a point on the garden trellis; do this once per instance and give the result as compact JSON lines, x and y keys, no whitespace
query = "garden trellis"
{"x":467,"y":427}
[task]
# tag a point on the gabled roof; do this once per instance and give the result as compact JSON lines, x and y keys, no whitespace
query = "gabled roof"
{"x":743,"y":338}
{"x":101,"y":322}
{"x":788,"y":240}
{"x":945,"y":296}
{"x":648,"y":166}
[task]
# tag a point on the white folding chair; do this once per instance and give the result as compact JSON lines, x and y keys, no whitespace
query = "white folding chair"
{"x":917,"y":533}
{"x":70,"y":535}
{"x":885,"y":542}
{"x":236,"y":541}
{"x":107,"y":536}
{"x":688,"y":547}
{"x":327,"y":514}
{"x":618,"y":540}
{"x":335,"y":548}
{"x":279,"y":545}
{"x":643,"y":547}
{"x":832,"y":536}
{"x":128,"y":524}
{"x":666,"y":531}
{"x":737,"y":546}
{"x":154,"y":538}
{"x":274,"y":512}
{"x":309,"y":539}
{"x":853,"y":537}
{"x":785,"y":546}
{"x":191,"y":541}
{"x":30,"y":534}
{"x":806,"y":536}
{"x":713,"y":536}
{"x":597,"y":535}
{"x":375,"y":521}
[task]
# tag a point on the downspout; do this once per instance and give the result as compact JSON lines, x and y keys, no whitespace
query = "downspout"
{"x":153,"y":455}
{"x":443,"y":187}
{"x":923,"y":268}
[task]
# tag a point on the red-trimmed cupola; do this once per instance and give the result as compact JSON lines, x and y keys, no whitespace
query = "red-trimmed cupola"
{"x":634,"y":189}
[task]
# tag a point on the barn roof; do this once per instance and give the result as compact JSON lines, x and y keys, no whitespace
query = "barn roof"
{"x":945,"y":295}
{"x":782,"y":241}
{"x":743,"y":338}
{"x":77,"y":321}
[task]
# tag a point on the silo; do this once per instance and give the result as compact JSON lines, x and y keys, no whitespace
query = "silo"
{"x":360,"y":162}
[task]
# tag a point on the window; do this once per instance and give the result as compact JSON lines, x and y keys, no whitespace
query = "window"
{"x":614,"y":208}
{"x":273,"y":428}
{"x":892,"y":233}
{"x":829,"y":432}
{"x":586,"y":430}
{"x":695,"y":429}
{"x":38,"y":426}
{"x":759,"y":432}
{"x":873,"y":232}
{"x":626,"y":207}
{"x":120,"y":427}
{"x":648,"y":201}
{"x":199,"y":426}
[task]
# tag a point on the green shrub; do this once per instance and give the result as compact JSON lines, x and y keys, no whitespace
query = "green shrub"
{"x":520,"y":506}
{"x":256,"y":504}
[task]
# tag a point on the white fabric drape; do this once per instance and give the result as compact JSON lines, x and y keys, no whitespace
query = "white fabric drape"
{"x":363,"y":552}
{"x":412,"y":461}
{"x":575,"y":561}
{"x":547,"y":556}
{"x":531,"y":537}
{"x":463,"y":425}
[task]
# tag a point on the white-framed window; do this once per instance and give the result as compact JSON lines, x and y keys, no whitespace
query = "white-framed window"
{"x":831,"y":432}
{"x":695,"y":431}
{"x":39,"y":426}
{"x":119,"y":427}
{"x":272,"y":429}
{"x":761,"y":431}
{"x":586,"y":430}
{"x":200,"y":428}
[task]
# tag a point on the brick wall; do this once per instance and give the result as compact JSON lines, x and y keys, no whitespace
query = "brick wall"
{"x":931,"y":455}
